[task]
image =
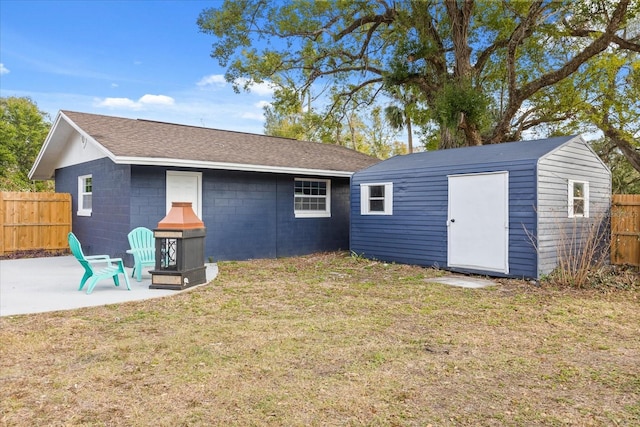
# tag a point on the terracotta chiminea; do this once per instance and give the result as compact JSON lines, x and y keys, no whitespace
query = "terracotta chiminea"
{"x":181,"y":216}
{"x":179,"y":249}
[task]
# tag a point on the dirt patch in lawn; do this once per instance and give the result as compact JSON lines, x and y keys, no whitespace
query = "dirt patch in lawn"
{"x":326,"y":340}
{"x":36,"y":253}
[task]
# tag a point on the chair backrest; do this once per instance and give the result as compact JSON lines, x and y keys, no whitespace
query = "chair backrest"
{"x":76,"y":250}
{"x":75,"y":246}
{"x":142,"y":238}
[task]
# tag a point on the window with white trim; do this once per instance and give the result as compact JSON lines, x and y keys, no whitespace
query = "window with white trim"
{"x":578,"y":199}
{"x":85,"y":195}
{"x":312,"y":198}
{"x":376,"y":198}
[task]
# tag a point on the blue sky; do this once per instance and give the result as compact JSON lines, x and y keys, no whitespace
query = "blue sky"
{"x":137,"y":59}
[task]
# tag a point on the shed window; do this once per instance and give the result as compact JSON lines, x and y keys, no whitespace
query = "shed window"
{"x":376,"y":198}
{"x":578,"y":199}
{"x":85,"y":195}
{"x":312,"y":198}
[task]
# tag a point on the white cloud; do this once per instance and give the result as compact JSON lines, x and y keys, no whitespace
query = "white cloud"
{"x":261,"y":89}
{"x":156,"y":100}
{"x":262,"y":104}
{"x":129,"y":104}
{"x":253,"y":116}
{"x":212,"y":80}
{"x":119,"y":103}
{"x":3,"y":69}
{"x":114,"y":85}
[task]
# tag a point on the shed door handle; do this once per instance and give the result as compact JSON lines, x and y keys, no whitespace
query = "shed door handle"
{"x":453,"y":220}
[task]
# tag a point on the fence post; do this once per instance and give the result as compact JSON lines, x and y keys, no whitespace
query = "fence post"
{"x":625,"y":229}
{"x":2,"y":220}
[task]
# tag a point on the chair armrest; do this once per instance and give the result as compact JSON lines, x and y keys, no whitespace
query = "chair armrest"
{"x":97,"y":257}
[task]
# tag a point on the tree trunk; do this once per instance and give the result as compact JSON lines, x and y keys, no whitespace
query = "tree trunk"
{"x":464,"y":73}
{"x":447,"y":140}
{"x":632,"y":154}
{"x":409,"y":135}
{"x":471,"y":134}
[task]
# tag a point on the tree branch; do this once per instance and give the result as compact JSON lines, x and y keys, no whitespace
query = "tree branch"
{"x":518,"y":95}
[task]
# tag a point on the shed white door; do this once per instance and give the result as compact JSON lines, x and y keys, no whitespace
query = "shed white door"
{"x":185,"y":187}
{"x":478,"y":223}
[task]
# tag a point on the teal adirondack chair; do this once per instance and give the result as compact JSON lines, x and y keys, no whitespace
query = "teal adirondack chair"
{"x":143,"y":249}
{"x":96,"y":267}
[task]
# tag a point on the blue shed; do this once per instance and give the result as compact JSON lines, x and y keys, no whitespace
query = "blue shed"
{"x":258,"y":196}
{"x":500,"y":210}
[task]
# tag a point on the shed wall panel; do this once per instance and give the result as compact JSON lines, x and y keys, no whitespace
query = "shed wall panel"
{"x":572,"y":161}
{"x":416,"y":233}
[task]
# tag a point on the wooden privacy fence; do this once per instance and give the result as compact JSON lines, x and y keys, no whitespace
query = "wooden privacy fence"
{"x":625,"y":229}
{"x":34,"y":221}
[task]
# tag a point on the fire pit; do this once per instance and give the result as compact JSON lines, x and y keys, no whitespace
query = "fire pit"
{"x":179,"y":249}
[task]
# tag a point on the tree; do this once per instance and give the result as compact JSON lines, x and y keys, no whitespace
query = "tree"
{"x":615,"y":107}
{"x":401,"y":116}
{"x":487,"y":71}
{"x":624,"y":178}
{"x":23,"y":129}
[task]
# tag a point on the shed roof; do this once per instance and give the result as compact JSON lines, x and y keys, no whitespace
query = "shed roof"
{"x":508,"y":152}
{"x":146,"y":142}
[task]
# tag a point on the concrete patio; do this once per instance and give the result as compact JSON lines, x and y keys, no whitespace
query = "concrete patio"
{"x":36,"y":285}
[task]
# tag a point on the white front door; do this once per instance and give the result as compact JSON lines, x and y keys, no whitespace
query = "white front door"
{"x":185,"y":187}
{"x":478,"y":223}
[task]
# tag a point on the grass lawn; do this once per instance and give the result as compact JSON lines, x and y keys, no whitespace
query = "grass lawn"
{"x":328,"y":340}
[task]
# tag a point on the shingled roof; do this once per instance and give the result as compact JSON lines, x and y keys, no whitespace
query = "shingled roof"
{"x":136,"y":141}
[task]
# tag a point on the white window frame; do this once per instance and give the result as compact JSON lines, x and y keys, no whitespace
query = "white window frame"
{"x":571,"y":199}
{"x":365,"y":198}
{"x":313,"y":213}
{"x":82,"y":181}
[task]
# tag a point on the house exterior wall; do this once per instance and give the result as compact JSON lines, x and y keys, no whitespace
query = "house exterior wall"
{"x":575,"y":161}
{"x":247,"y":214}
{"x":103,"y":231}
{"x":416,"y":233}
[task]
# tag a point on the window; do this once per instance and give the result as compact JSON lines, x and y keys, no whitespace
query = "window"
{"x":376,"y":198}
{"x":578,"y":199}
{"x":85,"y":195}
{"x":312,"y":198}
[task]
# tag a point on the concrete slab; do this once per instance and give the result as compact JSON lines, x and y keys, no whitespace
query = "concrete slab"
{"x":463,"y":281}
{"x":36,"y":285}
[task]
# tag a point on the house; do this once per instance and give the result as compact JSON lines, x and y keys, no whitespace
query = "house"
{"x":500,"y":210}
{"x":258,"y":196}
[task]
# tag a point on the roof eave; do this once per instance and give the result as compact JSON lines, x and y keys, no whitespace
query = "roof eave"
{"x":151,"y":161}
{"x":39,"y":172}
{"x":33,"y":175}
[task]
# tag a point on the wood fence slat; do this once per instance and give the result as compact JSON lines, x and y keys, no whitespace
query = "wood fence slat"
{"x":625,"y":229}
{"x":34,"y":221}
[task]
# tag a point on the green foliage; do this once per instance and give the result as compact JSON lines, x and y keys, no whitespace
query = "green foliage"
{"x":624,"y":178}
{"x":454,"y":100}
{"x":23,"y":129}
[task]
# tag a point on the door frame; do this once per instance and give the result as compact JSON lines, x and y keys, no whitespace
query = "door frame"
{"x":505,"y":189}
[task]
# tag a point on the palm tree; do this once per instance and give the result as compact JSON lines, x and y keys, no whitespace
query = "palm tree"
{"x":398,"y":118}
